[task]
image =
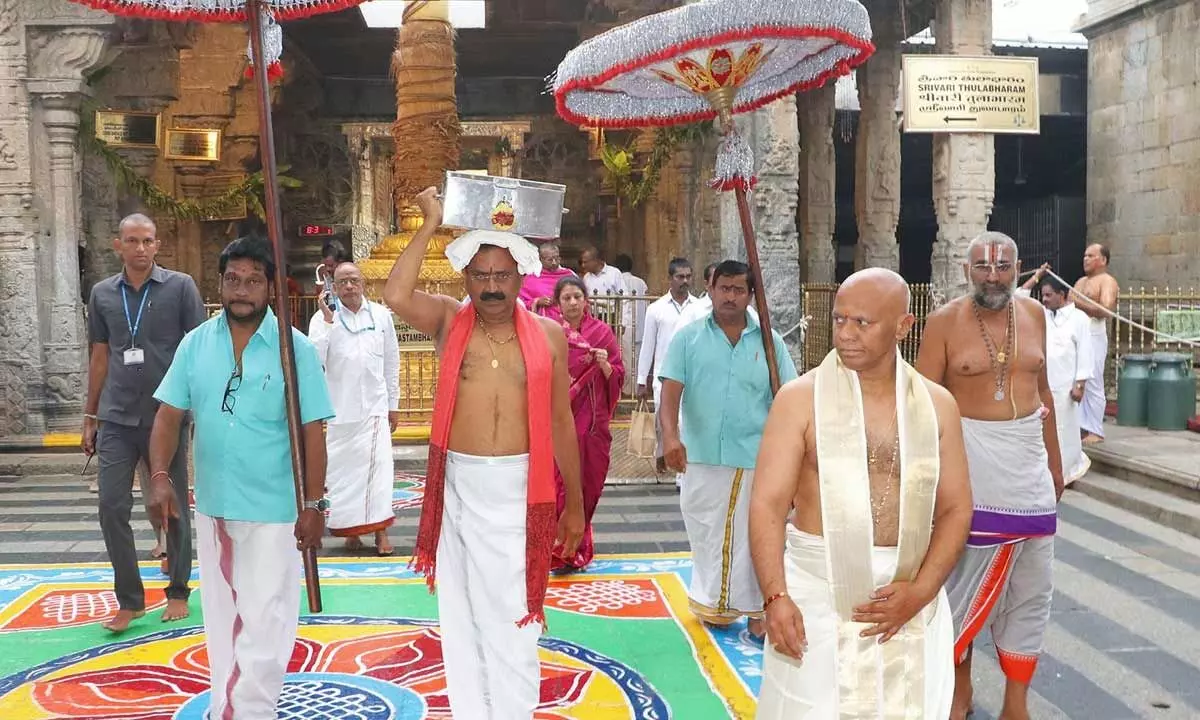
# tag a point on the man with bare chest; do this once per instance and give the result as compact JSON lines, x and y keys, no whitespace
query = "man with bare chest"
{"x":852,"y":588}
{"x":502,"y":419}
{"x":1095,"y":294}
{"x":989,"y":351}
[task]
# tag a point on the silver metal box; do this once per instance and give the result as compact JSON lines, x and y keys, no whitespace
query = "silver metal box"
{"x":484,"y":202}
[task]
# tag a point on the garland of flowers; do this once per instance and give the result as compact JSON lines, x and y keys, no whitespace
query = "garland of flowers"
{"x":666,"y":141}
{"x":161,"y":202}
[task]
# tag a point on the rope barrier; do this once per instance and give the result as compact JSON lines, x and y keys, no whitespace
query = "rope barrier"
{"x":1115,"y":316}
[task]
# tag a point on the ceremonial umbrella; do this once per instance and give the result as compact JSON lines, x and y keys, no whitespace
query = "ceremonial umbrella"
{"x":266,"y":46}
{"x":712,"y":59}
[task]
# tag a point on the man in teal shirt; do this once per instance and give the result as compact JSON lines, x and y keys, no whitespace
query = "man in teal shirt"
{"x":227,"y":372}
{"x":716,"y":373}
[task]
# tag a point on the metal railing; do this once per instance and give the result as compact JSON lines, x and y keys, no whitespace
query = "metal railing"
{"x":1175,"y":311}
{"x":419,"y":361}
{"x":817,"y":299}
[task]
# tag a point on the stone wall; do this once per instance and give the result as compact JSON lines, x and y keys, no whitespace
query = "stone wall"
{"x":1144,"y":138}
{"x":47,"y":48}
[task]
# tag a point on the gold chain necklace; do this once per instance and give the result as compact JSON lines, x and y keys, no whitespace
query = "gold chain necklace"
{"x":492,"y":342}
{"x":999,"y":359}
{"x":878,"y":504}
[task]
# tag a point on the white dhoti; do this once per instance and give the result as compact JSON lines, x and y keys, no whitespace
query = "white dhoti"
{"x":656,"y":389}
{"x":1074,"y":461}
{"x":360,"y":477}
{"x":808,"y":689}
{"x":250,"y":595}
{"x":492,"y":670}
{"x":1004,"y":578}
{"x":1091,"y":410}
{"x":715,"y":502}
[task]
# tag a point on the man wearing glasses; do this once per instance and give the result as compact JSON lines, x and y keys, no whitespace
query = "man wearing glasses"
{"x":227,"y":373}
{"x":357,"y":345}
{"x":136,"y":320}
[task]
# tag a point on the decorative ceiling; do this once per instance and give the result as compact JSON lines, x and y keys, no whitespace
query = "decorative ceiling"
{"x":523,"y":39}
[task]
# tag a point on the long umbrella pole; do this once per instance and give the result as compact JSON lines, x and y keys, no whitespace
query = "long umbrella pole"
{"x":760,"y":292}
{"x":287,"y":355}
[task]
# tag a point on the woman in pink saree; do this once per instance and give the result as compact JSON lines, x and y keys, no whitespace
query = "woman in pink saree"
{"x":597,"y":374}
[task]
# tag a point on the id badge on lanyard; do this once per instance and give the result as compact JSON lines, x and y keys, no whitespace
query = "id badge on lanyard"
{"x":134,"y":355}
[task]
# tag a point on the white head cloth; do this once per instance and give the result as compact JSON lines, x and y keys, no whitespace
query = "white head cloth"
{"x":460,"y":252}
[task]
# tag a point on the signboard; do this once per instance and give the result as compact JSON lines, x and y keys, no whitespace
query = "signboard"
{"x":957,"y":93}
{"x":128,"y":129}
{"x":187,"y":144}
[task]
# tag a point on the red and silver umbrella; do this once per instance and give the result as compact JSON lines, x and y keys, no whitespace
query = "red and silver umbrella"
{"x":266,"y":45}
{"x":713,"y":59}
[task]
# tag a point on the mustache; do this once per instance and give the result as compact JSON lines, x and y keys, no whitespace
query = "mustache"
{"x":492,"y":296}
{"x":993,"y":296}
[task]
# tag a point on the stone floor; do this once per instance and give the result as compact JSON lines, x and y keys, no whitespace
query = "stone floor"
{"x":1170,"y":456}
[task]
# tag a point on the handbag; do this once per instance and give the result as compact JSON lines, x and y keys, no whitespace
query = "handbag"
{"x":643,"y":432}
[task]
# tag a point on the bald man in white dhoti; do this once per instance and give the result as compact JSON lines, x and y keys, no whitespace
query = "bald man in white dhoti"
{"x":871,"y":457}
{"x":1095,"y":294}
{"x":358,"y":347}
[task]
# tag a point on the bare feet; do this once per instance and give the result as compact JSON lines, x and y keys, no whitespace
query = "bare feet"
{"x":354,"y":544}
{"x":383,"y":547}
{"x":158,"y":551}
{"x":1090,"y":439}
{"x":176,"y":610}
{"x":120,"y":621}
{"x":964,"y":692}
{"x":164,"y":565}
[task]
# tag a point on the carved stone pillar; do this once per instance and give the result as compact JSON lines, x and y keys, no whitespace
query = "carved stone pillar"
{"x":45,"y":50}
{"x":189,"y":236}
{"x":363,"y":180}
{"x":773,"y":134}
{"x":877,"y":153}
{"x":20,"y":337}
{"x":818,"y":186}
{"x":66,"y":344}
{"x":964,"y":165}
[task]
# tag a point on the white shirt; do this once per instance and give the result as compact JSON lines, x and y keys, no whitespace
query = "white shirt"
{"x":662,"y":320}
{"x":361,"y":356}
{"x":1068,"y":347}
{"x":609,"y":281}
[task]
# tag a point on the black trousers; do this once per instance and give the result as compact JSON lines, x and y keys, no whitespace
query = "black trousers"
{"x":119,"y":448}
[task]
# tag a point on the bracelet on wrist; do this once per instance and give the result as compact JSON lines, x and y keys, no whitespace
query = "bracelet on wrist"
{"x":162,"y":473}
{"x":773,"y":598}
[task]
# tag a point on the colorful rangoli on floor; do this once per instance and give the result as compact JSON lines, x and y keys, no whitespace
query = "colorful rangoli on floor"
{"x":621,"y":644}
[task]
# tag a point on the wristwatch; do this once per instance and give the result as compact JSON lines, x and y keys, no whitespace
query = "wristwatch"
{"x":320,"y":505}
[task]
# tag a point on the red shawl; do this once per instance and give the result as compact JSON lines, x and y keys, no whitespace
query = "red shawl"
{"x":541,"y":525}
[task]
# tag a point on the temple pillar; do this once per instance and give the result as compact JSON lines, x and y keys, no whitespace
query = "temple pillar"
{"x":877,"y":152}
{"x":59,"y":59}
{"x":817,"y":214}
{"x":964,"y":164}
{"x":773,"y":134}
{"x":65,"y":344}
{"x":20,"y":332}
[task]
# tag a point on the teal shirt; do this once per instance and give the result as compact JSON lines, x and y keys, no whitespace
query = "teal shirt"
{"x":243,"y":458}
{"x":726,"y":390}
